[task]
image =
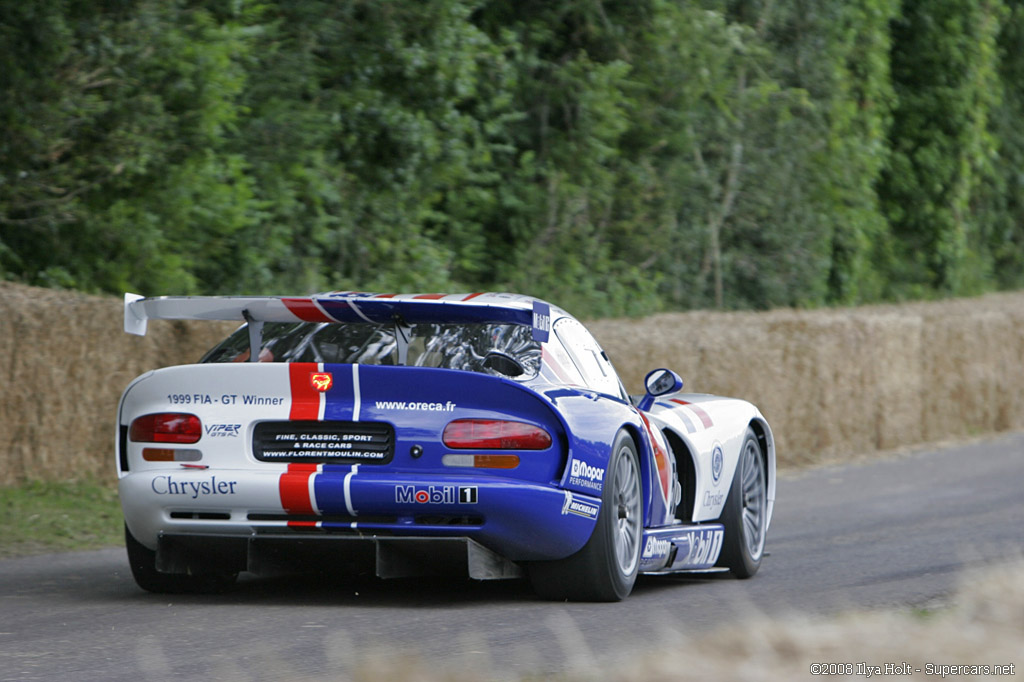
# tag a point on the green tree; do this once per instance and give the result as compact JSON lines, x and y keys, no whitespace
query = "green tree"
{"x":1001,"y":199}
{"x":944,"y":66}
{"x":129,"y":184}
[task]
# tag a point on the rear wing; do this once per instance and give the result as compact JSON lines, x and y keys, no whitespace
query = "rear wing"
{"x":401,"y":309}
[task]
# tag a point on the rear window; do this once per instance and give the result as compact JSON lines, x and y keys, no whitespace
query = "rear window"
{"x":500,"y":349}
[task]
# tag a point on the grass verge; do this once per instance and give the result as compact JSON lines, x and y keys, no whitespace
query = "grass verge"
{"x":39,"y":517}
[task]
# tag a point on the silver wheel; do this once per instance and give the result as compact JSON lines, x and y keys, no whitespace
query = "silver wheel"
{"x":606,"y":567}
{"x":745,"y":515}
{"x":754,"y":499}
{"x":627,"y":501}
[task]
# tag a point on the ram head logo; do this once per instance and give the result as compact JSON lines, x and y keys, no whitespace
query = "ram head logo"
{"x":321,"y":381}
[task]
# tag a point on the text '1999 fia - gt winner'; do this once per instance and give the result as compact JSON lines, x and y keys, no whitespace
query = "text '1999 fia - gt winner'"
{"x":485,"y":435}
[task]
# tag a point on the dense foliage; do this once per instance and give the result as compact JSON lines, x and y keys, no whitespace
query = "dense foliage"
{"x":616,"y":157}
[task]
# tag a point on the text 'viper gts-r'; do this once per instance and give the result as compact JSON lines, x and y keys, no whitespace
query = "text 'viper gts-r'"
{"x":484,"y":435}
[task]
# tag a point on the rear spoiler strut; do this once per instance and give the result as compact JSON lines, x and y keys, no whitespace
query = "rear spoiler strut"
{"x":400,"y":309}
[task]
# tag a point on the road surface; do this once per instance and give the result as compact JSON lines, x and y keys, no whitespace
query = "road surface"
{"x":892,"y":531}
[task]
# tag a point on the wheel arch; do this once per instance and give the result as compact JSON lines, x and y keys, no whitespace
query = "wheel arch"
{"x":647,"y":472}
{"x":766,"y":444}
{"x":686,"y":473}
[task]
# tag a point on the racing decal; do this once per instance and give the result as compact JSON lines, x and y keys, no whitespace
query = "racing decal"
{"x":319,"y":395}
{"x":321,"y":381}
{"x":705,"y":546}
{"x":583,"y":475}
{"x":347,"y":488}
{"x":296,"y":488}
{"x":323,"y":442}
{"x":557,"y":361}
{"x":307,"y":401}
{"x":447,"y":406}
{"x":681,"y":414}
{"x":541,"y":322}
{"x":717,"y":463}
{"x":339,"y":403}
{"x":656,"y":548}
{"x":306,"y":309}
{"x":224,"y":399}
{"x":169,"y":485}
{"x":580,"y":507}
{"x":472,"y":296}
{"x":258,"y":400}
{"x":704,"y":417}
{"x":222,"y":430}
{"x":660,"y":458}
{"x":429,"y":297}
{"x":356,"y":399}
{"x":712,"y":500}
{"x":436,"y":494}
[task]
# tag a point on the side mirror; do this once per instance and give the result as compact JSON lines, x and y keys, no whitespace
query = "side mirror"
{"x":659,"y":382}
{"x":662,"y":381}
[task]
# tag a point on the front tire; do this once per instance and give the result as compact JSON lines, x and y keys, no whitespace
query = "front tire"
{"x":745,"y":516}
{"x":143,"y":564}
{"x":606,"y":568}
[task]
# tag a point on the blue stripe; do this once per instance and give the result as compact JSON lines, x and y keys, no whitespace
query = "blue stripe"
{"x":340,"y":399}
{"x":681,"y":414}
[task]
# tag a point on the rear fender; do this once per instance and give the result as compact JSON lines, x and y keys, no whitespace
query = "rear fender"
{"x":591,"y":422}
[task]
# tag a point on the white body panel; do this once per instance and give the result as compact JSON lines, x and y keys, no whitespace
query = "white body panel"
{"x":704,"y":422}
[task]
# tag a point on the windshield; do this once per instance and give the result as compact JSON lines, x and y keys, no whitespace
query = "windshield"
{"x":499,"y":349}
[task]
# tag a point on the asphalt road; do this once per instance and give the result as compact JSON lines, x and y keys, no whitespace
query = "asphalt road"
{"x":886,"y":532}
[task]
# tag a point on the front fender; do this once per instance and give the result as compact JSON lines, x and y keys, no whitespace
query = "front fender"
{"x":713,"y":430}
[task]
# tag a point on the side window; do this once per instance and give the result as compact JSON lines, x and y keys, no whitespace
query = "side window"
{"x":588,"y":357}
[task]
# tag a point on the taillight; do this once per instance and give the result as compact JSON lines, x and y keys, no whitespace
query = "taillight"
{"x":171,"y":455}
{"x":495,"y":434}
{"x":481,"y":461}
{"x":166,"y":427}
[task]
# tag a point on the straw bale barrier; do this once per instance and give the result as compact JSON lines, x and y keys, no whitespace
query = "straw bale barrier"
{"x":831,"y":382}
{"x":845,"y":381}
{"x":64,"y":361}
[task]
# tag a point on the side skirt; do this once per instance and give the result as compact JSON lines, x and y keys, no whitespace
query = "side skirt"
{"x":691,"y":548}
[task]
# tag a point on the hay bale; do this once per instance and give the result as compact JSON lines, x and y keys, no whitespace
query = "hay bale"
{"x":832,"y":383}
{"x":65,"y":361}
{"x":840,"y":382}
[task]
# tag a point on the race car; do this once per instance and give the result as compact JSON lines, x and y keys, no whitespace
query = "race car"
{"x":484,"y":435}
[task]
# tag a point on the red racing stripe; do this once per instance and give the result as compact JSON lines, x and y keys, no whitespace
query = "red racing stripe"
{"x":660,"y":459}
{"x":705,"y":418}
{"x":305,"y":397}
{"x":472,"y":296}
{"x":294,"y":488}
{"x":557,"y":368}
{"x":431,"y":297}
{"x":305,"y":309}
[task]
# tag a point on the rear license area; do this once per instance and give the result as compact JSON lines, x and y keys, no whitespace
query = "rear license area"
{"x":324,"y":442}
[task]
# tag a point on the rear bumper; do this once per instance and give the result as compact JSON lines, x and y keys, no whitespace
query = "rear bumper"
{"x":518,"y":520}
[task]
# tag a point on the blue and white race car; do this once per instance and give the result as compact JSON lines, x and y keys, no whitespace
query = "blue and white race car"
{"x":483,"y":435}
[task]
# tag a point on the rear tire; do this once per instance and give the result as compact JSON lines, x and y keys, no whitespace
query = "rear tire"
{"x":143,"y":564}
{"x":606,"y":568}
{"x":745,"y":516}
